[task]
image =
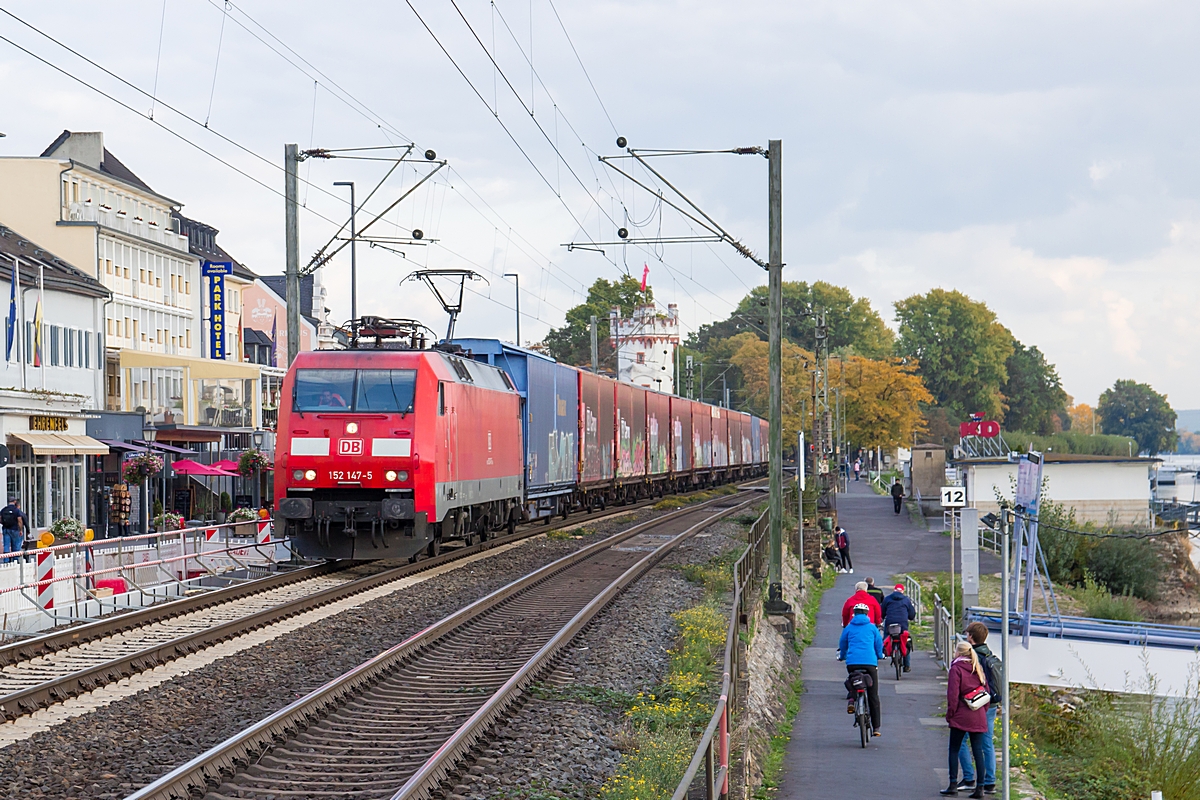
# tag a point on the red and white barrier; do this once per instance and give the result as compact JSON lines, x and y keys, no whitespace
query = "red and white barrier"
{"x":264,"y":531}
{"x":45,"y":574}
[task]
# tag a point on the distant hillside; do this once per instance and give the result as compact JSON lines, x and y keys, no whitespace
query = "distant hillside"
{"x":1188,"y":420}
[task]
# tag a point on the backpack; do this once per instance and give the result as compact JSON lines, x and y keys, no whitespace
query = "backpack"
{"x":993,"y":668}
{"x":842,"y":541}
{"x":8,"y":517}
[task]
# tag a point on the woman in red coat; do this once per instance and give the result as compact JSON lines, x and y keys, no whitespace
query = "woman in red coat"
{"x":966,"y":675}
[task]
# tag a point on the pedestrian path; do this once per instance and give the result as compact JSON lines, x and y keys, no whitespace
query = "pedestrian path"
{"x":824,"y":759}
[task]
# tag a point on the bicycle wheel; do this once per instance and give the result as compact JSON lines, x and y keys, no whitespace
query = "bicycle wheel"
{"x":898,"y":663}
{"x":864,"y":722}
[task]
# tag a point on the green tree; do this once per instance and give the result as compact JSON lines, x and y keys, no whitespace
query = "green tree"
{"x":960,"y":349}
{"x":572,"y":343}
{"x":1134,"y":409}
{"x":1033,"y":392}
{"x":852,"y":323}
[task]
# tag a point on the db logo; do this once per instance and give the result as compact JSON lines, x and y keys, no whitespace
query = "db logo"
{"x":350,"y":447}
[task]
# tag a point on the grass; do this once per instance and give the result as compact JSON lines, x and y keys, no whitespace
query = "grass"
{"x":1103,"y":604}
{"x":681,"y":500}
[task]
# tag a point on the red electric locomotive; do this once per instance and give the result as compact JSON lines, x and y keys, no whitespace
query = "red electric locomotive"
{"x":389,"y":453}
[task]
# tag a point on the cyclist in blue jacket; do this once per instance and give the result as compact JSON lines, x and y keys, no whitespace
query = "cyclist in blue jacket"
{"x":861,"y":647}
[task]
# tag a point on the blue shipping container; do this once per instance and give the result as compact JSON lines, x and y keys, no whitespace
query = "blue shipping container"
{"x":549,"y":420}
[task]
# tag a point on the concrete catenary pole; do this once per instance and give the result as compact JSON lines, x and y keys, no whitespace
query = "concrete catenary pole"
{"x":291,"y":159}
{"x":775,"y":603}
{"x":595,"y":346}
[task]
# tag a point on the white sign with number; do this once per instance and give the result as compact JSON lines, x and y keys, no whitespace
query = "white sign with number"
{"x":954,"y":497}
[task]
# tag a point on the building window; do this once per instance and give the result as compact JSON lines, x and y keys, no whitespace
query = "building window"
{"x":641,"y":358}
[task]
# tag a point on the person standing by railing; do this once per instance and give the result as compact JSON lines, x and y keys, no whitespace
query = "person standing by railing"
{"x":14,"y":524}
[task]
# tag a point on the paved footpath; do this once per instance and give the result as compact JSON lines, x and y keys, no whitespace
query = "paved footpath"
{"x":824,"y":759}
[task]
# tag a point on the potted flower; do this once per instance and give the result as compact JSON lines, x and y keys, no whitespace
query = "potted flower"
{"x":245,"y":517}
{"x":140,"y":467}
{"x":68,"y":530}
{"x":168,"y":522}
{"x":252,"y":462}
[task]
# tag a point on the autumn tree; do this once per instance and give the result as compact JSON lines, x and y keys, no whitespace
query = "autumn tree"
{"x":1033,"y":392}
{"x":853,"y":324}
{"x":1134,"y":409}
{"x":750,"y":356}
{"x":960,"y":349}
{"x":1083,"y":419}
{"x":572,"y":343}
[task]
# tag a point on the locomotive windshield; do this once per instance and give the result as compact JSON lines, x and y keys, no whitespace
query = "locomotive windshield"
{"x":362,"y":390}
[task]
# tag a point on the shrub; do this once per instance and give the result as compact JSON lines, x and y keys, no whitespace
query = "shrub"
{"x":1102,"y":604}
{"x":1126,"y":566}
{"x":226,"y":502}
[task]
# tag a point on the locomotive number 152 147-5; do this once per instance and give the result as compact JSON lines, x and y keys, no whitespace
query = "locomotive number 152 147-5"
{"x":350,"y":475}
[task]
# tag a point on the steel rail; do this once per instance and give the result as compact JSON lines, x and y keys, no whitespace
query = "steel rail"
{"x":60,"y":688}
{"x":208,"y":770}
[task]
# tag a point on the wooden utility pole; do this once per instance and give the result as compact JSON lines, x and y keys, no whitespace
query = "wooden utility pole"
{"x":291,"y":158}
{"x":775,"y":603}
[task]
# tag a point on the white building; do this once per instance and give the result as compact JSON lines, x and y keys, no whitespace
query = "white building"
{"x":1101,"y":489}
{"x":645,"y":345}
{"x":51,"y":383}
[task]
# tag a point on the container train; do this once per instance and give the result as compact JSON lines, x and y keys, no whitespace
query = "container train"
{"x":389,"y":453}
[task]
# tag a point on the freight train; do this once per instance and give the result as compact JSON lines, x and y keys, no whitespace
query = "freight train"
{"x":389,"y":453}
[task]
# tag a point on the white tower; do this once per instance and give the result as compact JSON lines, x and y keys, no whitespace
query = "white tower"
{"x":645,"y":346}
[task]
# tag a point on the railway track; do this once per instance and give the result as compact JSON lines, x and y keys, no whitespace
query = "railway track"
{"x":41,"y":672}
{"x":397,"y":725}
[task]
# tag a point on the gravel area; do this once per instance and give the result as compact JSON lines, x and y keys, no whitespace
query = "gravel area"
{"x":121,"y":747}
{"x":568,"y":746}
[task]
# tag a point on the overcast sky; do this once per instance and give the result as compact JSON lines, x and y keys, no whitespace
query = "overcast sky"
{"x":1038,"y":156}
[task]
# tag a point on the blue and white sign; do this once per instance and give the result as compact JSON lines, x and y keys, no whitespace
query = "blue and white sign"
{"x":216,"y":271}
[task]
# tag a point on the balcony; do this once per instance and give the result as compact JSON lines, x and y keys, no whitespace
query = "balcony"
{"x":91,"y":212}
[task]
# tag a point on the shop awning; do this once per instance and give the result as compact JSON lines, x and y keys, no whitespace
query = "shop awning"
{"x":166,"y":448}
{"x":61,"y":444}
{"x":196,"y":367}
{"x":116,"y":445}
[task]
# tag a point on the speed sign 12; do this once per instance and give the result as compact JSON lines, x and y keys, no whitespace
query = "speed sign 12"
{"x":954,"y":497}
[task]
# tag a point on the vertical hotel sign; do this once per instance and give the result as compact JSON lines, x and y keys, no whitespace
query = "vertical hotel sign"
{"x":216,"y":271}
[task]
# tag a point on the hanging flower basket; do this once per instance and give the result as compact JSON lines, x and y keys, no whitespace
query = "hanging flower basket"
{"x":67,"y":530}
{"x":140,"y":467}
{"x":251,"y":461}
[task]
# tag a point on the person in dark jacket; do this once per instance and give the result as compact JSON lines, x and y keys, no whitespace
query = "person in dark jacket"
{"x":898,"y":609}
{"x":897,"y":496}
{"x":842,"y":540}
{"x":965,"y":676}
{"x":15,"y":526}
{"x":861,"y":647}
{"x":977,"y":634}
{"x":875,"y":591}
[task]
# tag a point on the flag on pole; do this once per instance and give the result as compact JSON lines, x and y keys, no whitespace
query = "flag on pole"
{"x":37,"y":332}
{"x":645,"y":275}
{"x":274,"y":346}
{"x":11,"y":329}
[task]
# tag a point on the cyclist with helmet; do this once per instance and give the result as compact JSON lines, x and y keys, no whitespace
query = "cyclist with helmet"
{"x":861,"y":647}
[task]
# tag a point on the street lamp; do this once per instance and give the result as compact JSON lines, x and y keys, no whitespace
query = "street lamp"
{"x":517,"y":278}
{"x":258,"y":437}
{"x":353,"y":265}
{"x":149,"y":434}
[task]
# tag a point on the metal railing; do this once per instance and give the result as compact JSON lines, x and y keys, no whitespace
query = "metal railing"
{"x":913,"y":589}
{"x":944,"y":636}
{"x":712,"y":752}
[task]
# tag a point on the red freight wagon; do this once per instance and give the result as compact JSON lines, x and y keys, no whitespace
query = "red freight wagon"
{"x":384,"y":454}
{"x":702,"y":437}
{"x":720,"y":438}
{"x":631,"y":432}
{"x":735,"y":437}
{"x":682,"y":448}
{"x":745,"y":444}
{"x":658,"y":433}
{"x":597,"y":434}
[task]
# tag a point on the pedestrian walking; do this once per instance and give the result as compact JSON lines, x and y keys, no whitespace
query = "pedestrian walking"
{"x":897,"y":495}
{"x":842,"y":540}
{"x":977,"y":634}
{"x":14,"y":523}
{"x":857,"y":467}
{"x":966,"y":712}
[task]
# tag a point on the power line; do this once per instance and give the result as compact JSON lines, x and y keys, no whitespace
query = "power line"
{"x":582,"y":67}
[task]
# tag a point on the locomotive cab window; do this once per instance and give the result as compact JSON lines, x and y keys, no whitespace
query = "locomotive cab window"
{"x":441,"y":399}
{"x":386,"y":390}
{"x":323,"y":389}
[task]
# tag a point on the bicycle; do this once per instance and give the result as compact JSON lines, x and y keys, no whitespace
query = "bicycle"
{"x":895,"y":632}
{"x":862,"y":715}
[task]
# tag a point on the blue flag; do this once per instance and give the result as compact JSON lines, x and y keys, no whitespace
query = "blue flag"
{"x":11,"y":329}
{"x":274,"y":351}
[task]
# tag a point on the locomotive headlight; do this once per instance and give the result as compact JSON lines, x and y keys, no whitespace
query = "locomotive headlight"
{"x":351,"y":427}
{"x":310,"y":475}
{"x":298,"y":475}
{"x":391,"y":475}
{"x":403,"y":475}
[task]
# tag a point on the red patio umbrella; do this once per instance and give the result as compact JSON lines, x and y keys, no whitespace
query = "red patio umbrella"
{"x":188,"y":467}
{"x":226,"y":464}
